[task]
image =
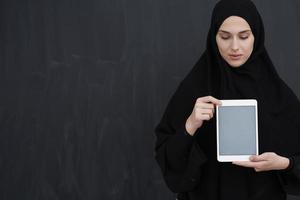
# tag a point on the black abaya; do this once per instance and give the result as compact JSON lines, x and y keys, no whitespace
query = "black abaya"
{"x":189,"y":163}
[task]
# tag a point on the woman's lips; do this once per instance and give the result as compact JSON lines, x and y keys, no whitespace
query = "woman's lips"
{"x":235,"y":56}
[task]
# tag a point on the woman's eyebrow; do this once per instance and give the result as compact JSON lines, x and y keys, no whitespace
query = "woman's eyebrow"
{"x":245,"y":31}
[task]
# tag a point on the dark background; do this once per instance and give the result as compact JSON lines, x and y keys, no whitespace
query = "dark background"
{"x":83,"y":83}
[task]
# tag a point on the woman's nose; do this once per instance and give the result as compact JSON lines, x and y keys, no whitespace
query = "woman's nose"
{"x":234,"y":45}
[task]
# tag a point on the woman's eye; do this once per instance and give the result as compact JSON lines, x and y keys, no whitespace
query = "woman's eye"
{"x":225,"y":37}
{"x":244,"y":37}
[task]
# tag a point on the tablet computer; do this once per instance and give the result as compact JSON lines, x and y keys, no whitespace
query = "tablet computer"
{"x":237,"y":130}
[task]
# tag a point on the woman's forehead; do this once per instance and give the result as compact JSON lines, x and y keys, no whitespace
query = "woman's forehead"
{"x":235,"y":24}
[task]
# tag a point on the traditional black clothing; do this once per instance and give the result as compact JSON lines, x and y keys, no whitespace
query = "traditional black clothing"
{"x":189,"y":163}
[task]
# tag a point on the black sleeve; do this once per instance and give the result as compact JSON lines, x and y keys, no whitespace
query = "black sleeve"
{"x":179,"y":155}
{"x":290,"y":177}
{"x":180,"y":159}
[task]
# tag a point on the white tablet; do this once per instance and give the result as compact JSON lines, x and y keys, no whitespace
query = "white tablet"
{"x":237,"y":130}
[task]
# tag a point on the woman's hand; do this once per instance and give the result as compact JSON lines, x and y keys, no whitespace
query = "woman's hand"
{"x":265,"y":162}
{"x":203,"y":110}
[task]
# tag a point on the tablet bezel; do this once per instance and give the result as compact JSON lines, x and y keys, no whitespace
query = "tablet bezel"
{"x":236,"y":102}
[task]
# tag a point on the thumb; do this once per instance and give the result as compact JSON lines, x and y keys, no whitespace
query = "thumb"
{"x":255,"y":158}
{"x":261,"y":157}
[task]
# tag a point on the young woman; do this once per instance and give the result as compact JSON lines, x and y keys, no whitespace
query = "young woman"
{"x":235,"y":65}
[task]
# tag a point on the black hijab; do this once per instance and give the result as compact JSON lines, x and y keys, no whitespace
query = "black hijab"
{"x":278,"y":106}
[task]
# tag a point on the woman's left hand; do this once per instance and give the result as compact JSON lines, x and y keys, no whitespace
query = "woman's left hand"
{"x":265,"y":162}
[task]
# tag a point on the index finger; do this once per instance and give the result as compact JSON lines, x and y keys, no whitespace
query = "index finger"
{"x":245,"y":164}
{"x":250,"y":164}
{"x":212,"y":100}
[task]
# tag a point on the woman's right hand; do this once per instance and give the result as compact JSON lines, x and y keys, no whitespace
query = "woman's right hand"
{"x":203,"y":110}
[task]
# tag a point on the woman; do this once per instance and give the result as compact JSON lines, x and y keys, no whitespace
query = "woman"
{"x":235,"y":65}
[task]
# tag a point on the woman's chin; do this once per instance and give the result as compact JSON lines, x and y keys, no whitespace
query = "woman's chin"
{"x":235,"y":63}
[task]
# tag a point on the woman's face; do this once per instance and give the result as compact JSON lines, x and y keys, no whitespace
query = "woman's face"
{"x":235,"y":41}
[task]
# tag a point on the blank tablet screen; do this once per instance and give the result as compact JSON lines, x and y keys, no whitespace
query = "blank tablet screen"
{"x":237,"y":130}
